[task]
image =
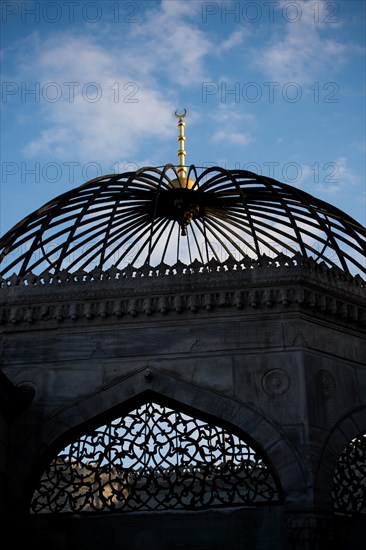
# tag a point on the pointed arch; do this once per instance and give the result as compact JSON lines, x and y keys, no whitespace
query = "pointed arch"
{"x":349,"y":485}
{"x":154,"y":454}
{"x":336,"y":463}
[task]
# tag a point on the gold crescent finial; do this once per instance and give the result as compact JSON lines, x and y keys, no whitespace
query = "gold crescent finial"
{"x":181,"y":116}
{"x":182,"y":182}
{"x":181,"y":139}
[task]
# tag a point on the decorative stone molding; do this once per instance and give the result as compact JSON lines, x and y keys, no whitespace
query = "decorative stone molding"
{"x":247,"y":284}
{"x":181,"y":270}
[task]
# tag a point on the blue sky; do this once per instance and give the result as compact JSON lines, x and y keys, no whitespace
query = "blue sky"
{"x":276,"y":87}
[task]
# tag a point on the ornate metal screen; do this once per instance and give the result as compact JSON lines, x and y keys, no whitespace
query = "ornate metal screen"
{"x":349,"y":491}
{"x":154,"y":458}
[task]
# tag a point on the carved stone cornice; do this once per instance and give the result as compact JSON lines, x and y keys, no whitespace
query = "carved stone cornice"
{"x":267,"y":282}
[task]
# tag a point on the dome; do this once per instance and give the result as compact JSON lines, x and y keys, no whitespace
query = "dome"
{"x":155,"y":216}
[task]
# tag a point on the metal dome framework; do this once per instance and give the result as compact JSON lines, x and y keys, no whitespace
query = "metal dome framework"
{"x":153,"y":216}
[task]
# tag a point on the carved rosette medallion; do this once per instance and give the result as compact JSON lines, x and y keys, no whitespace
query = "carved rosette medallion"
{"x":275,"y":382}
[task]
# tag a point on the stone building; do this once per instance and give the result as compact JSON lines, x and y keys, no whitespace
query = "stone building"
{"x":183,"y":366}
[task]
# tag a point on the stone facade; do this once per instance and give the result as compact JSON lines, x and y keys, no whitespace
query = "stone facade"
{"x":274,"y":347}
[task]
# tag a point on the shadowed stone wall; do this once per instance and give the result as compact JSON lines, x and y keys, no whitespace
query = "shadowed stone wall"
{"x":3,"y":463}
{"x":274,"y":348}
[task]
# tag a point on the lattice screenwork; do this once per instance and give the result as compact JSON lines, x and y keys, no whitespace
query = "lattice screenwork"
{"x":349,"y":491}
{"x":151,"y":217}
{"x":155,"y":458}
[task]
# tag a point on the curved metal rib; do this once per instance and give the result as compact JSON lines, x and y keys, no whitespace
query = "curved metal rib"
{"x":110,"y":216}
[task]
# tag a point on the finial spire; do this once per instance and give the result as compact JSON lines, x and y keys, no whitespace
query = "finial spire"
{"x":181,"y":170}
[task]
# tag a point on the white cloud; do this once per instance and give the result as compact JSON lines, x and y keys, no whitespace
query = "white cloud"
{"x":103,"y":109}
{"x":344,"y":172}
{"x":230,"y":113}
{"x":237,"y":138}
{"x":329,"y":178}
{"x":169,"y":41}
{"x":301,"y":54}
{"x":235,"y":39}
{"x":121,"y":94}
{"x":162,"y":54}
{"x":231,"y":121}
